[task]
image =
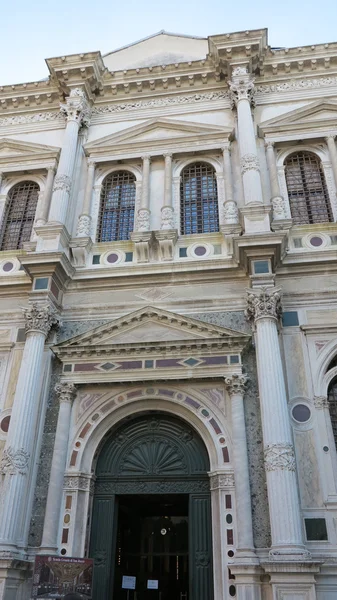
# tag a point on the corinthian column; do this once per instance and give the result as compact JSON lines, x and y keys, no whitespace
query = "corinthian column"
{"x":42,"y":209}
{"x":16,"y":460}
{"x":77,"y":112}
{"x":242,"y":89}
{"x":167,"y":215}
{"x":235,"y":386}
{"x":84,"y":221}
{"x":66,"y":393}
{"x":330,"y":140}
{"x":277,"y":200}
{"x":143,"y":217}
{"x":264,"y":309}
{"x":231,"y":212}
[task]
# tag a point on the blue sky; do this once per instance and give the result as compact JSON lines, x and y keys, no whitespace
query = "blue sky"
{"x":37,"y":29}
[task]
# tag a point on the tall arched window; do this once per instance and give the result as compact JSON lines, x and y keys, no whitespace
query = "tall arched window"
{"x":307,"y":191}
{"x":117,"y":209}
{"x":332,"y":399}
{"x":198,"y":199}
{"x":19,"y":215}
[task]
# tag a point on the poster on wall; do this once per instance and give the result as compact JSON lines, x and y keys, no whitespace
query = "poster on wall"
{"x":56,"y":576}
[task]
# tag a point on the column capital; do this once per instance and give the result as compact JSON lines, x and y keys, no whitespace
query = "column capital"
{"x":65,"y":391}
{"x":39,"y":318}
{"x":330,"y":136}
{"x":226,"y":147}
{"x":167,"y":154}
{"x":77,"y":107}
{"x":146,"y":157}
{"x":236,"y":384}
{"x":269,"y":144}
{"x":241,"y":86}
{"x":263,"y":303}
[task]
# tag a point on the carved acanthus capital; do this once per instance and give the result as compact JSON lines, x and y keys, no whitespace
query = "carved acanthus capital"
{"x":14,"y":461}
{"x":262,"y":303}
{"x":279,"y":457}
{"x":321,"y":402}
{"x":65,"y":391}
{"x":241,"y":87}
{"x":77,"y":107}
{"x":39,"y":318}
{"x":236,"y":384}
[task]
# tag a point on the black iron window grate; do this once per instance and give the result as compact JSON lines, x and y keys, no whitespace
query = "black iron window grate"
{"x":307,"y":191}
{"x":117,"y":208}
{"x":19,"y":215}
{"x":332,"y":399}
{"x":198,"y":199}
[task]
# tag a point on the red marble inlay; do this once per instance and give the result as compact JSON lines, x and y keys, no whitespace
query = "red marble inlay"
{"x":228,"y":501}
{"x":230,"y":537}
{"x":73,"y":458}
{"x":54,"y":289}
{"x":4,"y":425}
{"x":65,"y":534}
{"x":85,"y":430}
{"x":69,"y":500}
{"x":225,"y":454}
{"x":86,"y":366}
{"x":168,"y":393}
{"x":134,"y":394}
{"x":215,"y":426}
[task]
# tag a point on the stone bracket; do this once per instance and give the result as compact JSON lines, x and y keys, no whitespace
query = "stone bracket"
{"x":80,"y":248}
{"x":166,"y":239}
{"x":145,"y":243}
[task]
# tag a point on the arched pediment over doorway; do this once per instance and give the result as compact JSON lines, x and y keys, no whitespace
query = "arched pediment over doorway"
{"x":151,"y":344}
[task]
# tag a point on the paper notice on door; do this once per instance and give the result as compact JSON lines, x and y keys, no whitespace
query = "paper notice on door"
{"x":128,"y":582}
{"x":152,"y":584}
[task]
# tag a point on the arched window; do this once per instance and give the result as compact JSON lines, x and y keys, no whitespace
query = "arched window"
{"x":332,"y":400}
{"x":198,"y":199}
{"x":19,"y":215}
{"x":307,"y":191}
{"x":117,"y":208}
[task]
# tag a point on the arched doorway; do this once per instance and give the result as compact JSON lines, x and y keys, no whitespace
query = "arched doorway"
{"x":151,"y":512}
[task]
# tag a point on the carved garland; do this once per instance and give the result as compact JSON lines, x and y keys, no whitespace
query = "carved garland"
{"x":14,"y":461}
{"x":279,"y":457}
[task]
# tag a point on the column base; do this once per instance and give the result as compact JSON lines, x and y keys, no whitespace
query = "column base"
{"x":291,"y":580}
{"x":246,"y":556}
{"x":256,"y":218}
{"x":79,"y":249}
{"x":247,"y":581}
{"x":52,"y":237}
{"x":14,"y":579}
{"x":166,"y":239}
{"x":296,"y":553}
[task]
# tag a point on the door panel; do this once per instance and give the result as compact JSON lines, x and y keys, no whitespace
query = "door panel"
{"x":200,"y":547}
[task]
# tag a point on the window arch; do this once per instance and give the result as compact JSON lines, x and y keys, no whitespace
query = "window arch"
{"x":117,"y":206}
{"x":307,"y":190}
{"x":332,"y":400}
{"x":19,"y":215}
{"x":198,"y":199}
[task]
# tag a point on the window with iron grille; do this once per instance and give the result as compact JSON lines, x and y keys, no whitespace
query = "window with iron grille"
{"x":307,"y":191}
{"x":117,"y":209}
{"x":19,"y":215}
{"x":332,"y":399}
{"x":198,"y":199}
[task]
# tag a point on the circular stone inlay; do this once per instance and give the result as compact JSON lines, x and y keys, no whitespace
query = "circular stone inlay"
{"x":232,"y":590}
{"x":66,"y":519}
{"x":8,"y":266}
{"x":205,"y":413}
{"x":230,"y":553}
{"x":222,"y":440}
{"x":112,"y":258}
{"x":4,"y":425}
{"x":63,"y":551}
{"x":316,"y":241}
{"x":301,"y":413}
{"x":200,"y":251}
{"x":325,"y":448}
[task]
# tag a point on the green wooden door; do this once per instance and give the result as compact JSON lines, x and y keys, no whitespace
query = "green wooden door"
{"x":200,"y":547}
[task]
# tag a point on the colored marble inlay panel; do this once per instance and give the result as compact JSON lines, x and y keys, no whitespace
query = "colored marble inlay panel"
{"x":168,"y":393}
{"x":73,"y":458}
{"x":134,"y":394}
{"x":216,"y":360}
{"x":215,"y":426}
{"x":65,"y":534}
{"x":192,"y":402}
{"x":85,"y":430}
{"x":168,"y":362}
{"x":132,"y":364}
{"x":54,"y":289}
{"x":69,"y":500}
{"x":230,"y":537}
{"x":228,"y":499}
{"x":108,"y":406}
{"x":85,"y":367}
{"x":225,"y":455}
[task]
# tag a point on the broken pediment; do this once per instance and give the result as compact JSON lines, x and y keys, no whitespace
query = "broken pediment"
{"x":162,"y":48}
{"x":320,"y":115}
{"x":157,"y":132}
{"x":16,"y":151}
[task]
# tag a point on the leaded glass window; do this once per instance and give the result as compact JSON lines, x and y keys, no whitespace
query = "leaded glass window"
{"x":198,"y":199}
{"x":117,"y":208}
{"x":19,"y":215}
{"x":307,"y":190}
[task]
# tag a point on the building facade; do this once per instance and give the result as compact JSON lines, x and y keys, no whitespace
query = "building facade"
{"x":168,"y":319}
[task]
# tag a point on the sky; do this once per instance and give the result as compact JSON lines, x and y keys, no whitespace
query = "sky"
{"x":32,"y":30}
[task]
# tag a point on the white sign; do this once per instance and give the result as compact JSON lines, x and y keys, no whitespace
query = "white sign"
{"x":128,"y":582}
{"x":152,"y":584}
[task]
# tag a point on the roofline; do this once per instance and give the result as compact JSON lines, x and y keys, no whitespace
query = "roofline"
{"x":161,"y":32}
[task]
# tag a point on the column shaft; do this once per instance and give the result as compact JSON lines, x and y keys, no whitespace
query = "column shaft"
{"x":167,"y":216}
{"x":228,"y":173}
{"x":143,"y":217}
{"x":83,"y":226}
{"x":280,"y":466}
{"x":330,"y":140}
{"x":17,"y":456}
{"x":49,"y":544}
{"x":42,"y":210}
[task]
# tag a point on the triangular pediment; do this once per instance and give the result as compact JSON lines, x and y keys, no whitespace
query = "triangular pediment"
{"x":150,"y":325}
{"x":12,"y":151}
{"x":320,"y":114}
{"x":157,"y":131}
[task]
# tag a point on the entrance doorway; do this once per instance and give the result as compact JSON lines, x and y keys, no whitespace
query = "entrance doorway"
{"x":152,"y":545}
{"x":151,"y":512}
